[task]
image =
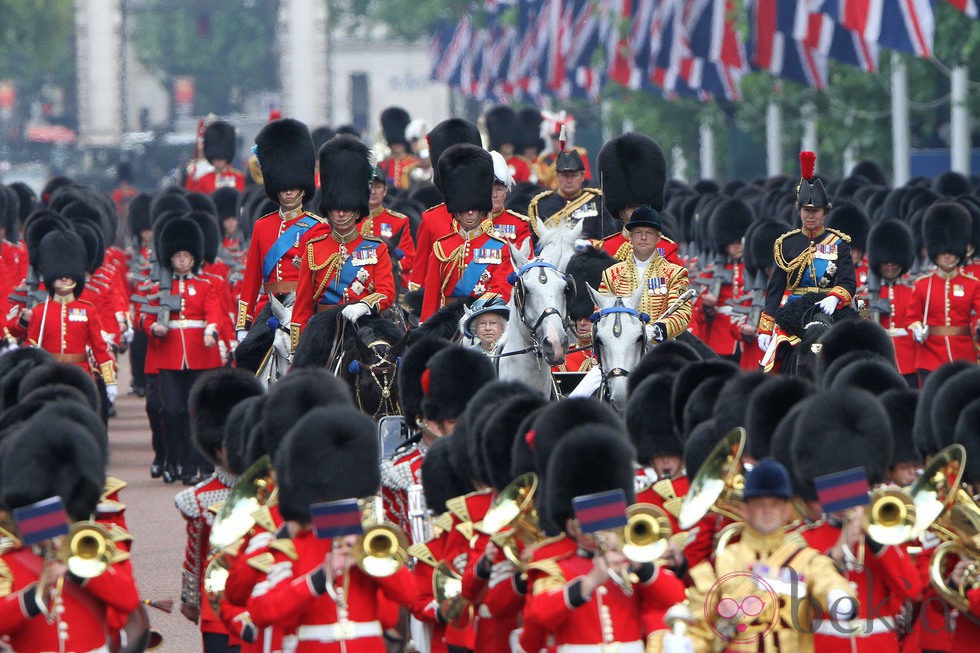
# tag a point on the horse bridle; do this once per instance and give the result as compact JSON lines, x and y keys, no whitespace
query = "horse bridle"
{"x":384,"y":368}
{"x":618,"y":310}
{"x":519,"y":295}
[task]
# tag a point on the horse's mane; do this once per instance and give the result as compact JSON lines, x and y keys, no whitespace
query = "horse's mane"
{"x":444,"y":323}
{"x":317,"y":340}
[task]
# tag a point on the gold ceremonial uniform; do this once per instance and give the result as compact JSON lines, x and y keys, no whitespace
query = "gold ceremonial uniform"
{"x":663,"y":283}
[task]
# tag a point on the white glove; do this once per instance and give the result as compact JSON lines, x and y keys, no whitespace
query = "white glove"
{"x":240,"y":334}
{"x":356,"y":311}
{"x":127,"y":335}
{"x":828,"y":304}
{"x":9,"y":345}
{"x":764,"y":340}
{"x":111,"y":392}
{"x":677,"y":644}
{"x":919,"y":332}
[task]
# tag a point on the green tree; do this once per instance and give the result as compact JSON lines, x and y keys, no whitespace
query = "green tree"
{"x":37,"y":41}
{"x":227,"y":46}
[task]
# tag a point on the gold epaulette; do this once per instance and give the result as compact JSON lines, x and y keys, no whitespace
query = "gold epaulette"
{"x":285,"y":546}
{"x":6,"y":576}
{"x":537,"y":198}
{"x":373,"y":239}
{"x":519,"y":216}
{"x":595,"y":191}
{"x":554,"y":577}
{"x":422,"y":553}
{"x":443,"y":521}
{"x":396,"y":214}
{"x":663,"y":237}
{"x":318,"y":218}
{"x":779,"y":241}
{"x":665,"y":490}
{"x":839,"y":234}
{"x":263,"y":518}
{"x":968,"y":275}
{"x":457,"y":506}
{"x":262,"y":562}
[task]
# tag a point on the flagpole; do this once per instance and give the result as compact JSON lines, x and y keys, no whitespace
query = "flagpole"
{"x":774,"y":139}
{"x":959,"y":121}
{"x":900,"y":122}
{"x":707,"y":150}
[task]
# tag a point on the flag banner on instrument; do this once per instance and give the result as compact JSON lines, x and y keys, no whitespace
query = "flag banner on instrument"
{"x":41,"y":521}
{"x":336,"y":518}
{"x":602,"y":511}
{"x":843,"y":490}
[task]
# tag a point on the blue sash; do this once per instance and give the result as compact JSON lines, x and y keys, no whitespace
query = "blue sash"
{"x":471,"y":276}
{"x":333,"y":294}
{"x":284,"y":243}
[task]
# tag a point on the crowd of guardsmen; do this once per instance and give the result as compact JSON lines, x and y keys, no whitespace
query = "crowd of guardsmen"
{"x":835,"y":322}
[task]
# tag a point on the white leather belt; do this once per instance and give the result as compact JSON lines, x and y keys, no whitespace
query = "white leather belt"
{"x":341,"y":632}
{"x":102,"y":649}
{"x":897,"y":333}
{"x":723,"y":310}
{"x":856,"y":627}
{"x":186,"y":324}
{"x":614,"y":647}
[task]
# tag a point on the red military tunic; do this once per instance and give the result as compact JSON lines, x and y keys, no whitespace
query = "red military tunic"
{"x":333,"y":273}
{"x":200,"y":314}
{"x":465,"y":265}
{"x":397,"y":170}
{"x":265,"y":272}
{"x":520,"y":168}
{"x":384,"y":223}
{"x":888,"y":579}
{"x":618,"y":246}
{"x":71,"y":328}
{"x":580,"y":358}
{"x":305,"y":604}
{"x":202,"y":178}
{"x":398,"y":474}
{"x":609,"y":617}
{"x":720,"y":327}
{"x":27,"y":630}
{"x":899,"y":296}
{"x":424,"y":609}
{"x":511,"y":227}
{"x":436,"y":223}
{"x":948,"y":304}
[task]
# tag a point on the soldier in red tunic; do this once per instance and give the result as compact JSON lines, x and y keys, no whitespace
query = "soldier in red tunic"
{"x":214,"y":170}
{"x":343,"y":267}
{"x":946,"y":302}
{"x":891,"y":252}
{"x":390,"y":225}
{"x":504,"y":134}
{"x":506,"y":225}
{"x":469,"y":262}
{"x":285,"y":152}
{"x":398,"y":166}
{"x":68,"y":327}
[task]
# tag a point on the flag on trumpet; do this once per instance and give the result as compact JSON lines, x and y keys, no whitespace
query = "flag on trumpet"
{"x":336,"y":518}
{"x":41,"y":521}
{"x":602,"y":511}
{"x":842,"y":490}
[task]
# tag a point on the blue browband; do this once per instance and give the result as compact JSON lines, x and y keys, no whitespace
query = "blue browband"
{"x":514,"y":276}
{"x":611,"y":310}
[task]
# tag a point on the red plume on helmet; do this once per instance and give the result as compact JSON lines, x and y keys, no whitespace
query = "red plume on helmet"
{"x":808,"y":161}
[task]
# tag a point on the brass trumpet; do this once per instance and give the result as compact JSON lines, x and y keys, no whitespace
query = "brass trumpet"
{"x":383,"y":547}
{"x":890,"y":519}
{"x":647,"y":533}
{"x":88,"y":550}
{"x":718,"y":483}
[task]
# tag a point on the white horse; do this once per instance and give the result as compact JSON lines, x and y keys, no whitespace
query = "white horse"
{"x":619,"y":341}
{"x":535,"y":337}
{"x":276,"y":362}
{"x":557,"y":244}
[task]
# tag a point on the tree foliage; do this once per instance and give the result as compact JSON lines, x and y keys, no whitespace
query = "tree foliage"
{"x":227,"y":46}
{"x":37,"y":40}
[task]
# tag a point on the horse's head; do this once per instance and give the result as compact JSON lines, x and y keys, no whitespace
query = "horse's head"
{"x":557,"y":244}
{"x":540,"y":302}
{"x":619,"y":341}
{"x":378,"y":344}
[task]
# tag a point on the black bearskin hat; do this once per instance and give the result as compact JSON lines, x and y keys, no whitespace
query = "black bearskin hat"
{"x":500,"y":432}
{"x":287,"y":158}
{"x":869,"y":373}
{"x":203,"y":203}
{"x":394,"y":120}
{"x":530,"y":126}
{"x":211,"y":399}
{"x":767,"y":406}
{"x":454,"y":131}
{"x":211,"y":232}
{"x":668,"y":357}
{"x":900,"y":407}
{"x":95,"y":248}
{"x":225,"y":202}
{"x":63,"y":256}
{"x":947,"y":403}
{"x":649,"y":422}
{"x":466,"y":178}
{"x":38,"y":225}
{"x":51,"y":456}
{"x":633,"y":171}
{"x":731,"y":406}
{"x":592,"y":458}
{"x":967,"y":433}
{"x":14,"y":366}
{"x":947,"y":228}
{"x":952,"y":184}
{"x":925,"y":441}
{"x":170,"y":200}
{"x":410,"y":370}
{"x":483,"y":409}
{"x":293,"y":396}
{"x":855,"y":431}
{"x":728,"y":223}
{"x":219,"y":141}
{"x":451,"y":378}
{"x":851,"y":219}
{"x":181,"y":234}
{"x":60,"y":373}
{"x":328,"y":455}
{"x":503,"y":127}
{"x":586,"y":267}
{"x":345,"y":176}
{"x":763,"y":240}
{"x":855,"y":335}
{"x":440,"y":480}
{"x":871,"y":171}
{"x":891,"y":241}
{"x":234,"y":438}
{"x":321,"y":135}
{"x":690,"y":377}
{"x":699,"y":445}
{"x":555,"y":420}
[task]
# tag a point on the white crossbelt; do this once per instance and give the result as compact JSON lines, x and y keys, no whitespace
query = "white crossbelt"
{"x":614,"y":647}
{"x":341,"y":632}
{"x":101,"y":649}
{"x":186,"y":324}
{"x":856,"y":627}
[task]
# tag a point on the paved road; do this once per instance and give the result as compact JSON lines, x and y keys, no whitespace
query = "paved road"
{"x":156,"y":526}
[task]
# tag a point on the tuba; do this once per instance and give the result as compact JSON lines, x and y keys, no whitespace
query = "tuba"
{"x":246,"y":506}
{"x":512,"y":521}
{"x":383,"y":547}
{"x":447,"y":585}
{"x":718,"y":483}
